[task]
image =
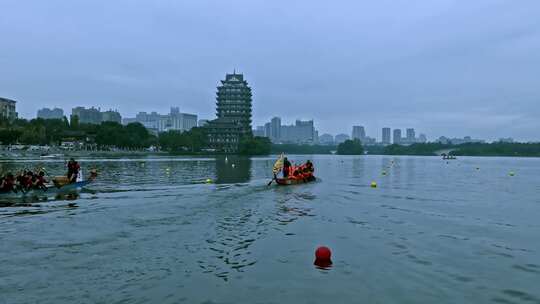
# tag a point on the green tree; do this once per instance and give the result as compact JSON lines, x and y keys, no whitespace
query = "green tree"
{"x":9,"y":136}
{"x":350,"y":147}
{"x":254,"y":146}
{"x":426,"y":149}
{"x":177,"y":141}
{"x":74,"y":122}
{"x":302,"y":149}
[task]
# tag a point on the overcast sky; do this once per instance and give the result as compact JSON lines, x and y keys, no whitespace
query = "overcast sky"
{"x":444,"y":67}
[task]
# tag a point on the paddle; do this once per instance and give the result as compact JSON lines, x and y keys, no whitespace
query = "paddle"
{"x":273,"y":179}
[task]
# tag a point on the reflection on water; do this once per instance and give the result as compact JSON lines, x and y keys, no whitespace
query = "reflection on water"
{"x":233,"y":169}
{"x":152,"y":230}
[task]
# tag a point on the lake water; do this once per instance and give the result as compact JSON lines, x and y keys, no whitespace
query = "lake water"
{"x":151,"y":231}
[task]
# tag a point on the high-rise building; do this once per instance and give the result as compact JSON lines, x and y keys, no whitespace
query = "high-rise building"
{"x":95,"y":116}
{"x":340,"y":138}
{"x":386,"y":140}
{"x":7,"y":109}
{"x":181,"y":121}
{"x":87,"y":116}
{"x":358,"y":132}
{"x":303,"y":131}
{"x":47,"y":113}
{"x":112,"y":116}
{"x":175,"y":120}
{"x":259,"y":131}
{"x":397,"y":136}
{"x":411,"y":136}
{"x":275,"y":129}
{"x":148,"y":120}
{"x":233,"y":114}
{"x":268,"y":129}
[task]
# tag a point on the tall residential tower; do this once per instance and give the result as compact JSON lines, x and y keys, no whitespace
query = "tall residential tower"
{"x":397,"y":136}
{"x":358,"y":132}
{"x":386,"y":140}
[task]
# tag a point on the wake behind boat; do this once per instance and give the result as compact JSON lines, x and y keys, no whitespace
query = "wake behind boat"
{"x":51,"y":156}
{"x":290,"y":181}
{"x":49,"y":190}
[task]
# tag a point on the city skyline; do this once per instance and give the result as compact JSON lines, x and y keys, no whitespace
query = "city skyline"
{"x":373,"y":134}
{"x":261,"y":129}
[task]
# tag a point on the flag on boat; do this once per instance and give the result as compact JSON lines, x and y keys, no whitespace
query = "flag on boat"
{"x":278,"y":165}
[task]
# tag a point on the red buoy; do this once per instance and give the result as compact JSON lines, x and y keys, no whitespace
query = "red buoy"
{"x":323,"y":257}
{"x":323,"y":253}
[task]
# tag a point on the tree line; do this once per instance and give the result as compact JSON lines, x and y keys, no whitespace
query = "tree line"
{"x":468,"y":149}
{"x":53,"y":131}
{"x":107,"y":134}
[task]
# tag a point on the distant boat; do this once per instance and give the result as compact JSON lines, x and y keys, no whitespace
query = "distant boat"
{"x":448,"y":157}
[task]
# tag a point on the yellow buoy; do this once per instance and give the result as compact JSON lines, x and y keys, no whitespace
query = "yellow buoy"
{"x":208,"y":180}
{"x":373,"y":185}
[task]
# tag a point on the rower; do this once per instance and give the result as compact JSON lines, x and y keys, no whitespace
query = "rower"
{"x":309,"y":166}
{"x":41,"y":181}
{"x":73,"y":170}
{"x":20,"y":181}
{"x":286,"y":167}
{"x":8,"y":183}
{"x":30,"y":180}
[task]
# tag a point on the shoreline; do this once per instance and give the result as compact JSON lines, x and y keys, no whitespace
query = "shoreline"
{"x":98,"y":154}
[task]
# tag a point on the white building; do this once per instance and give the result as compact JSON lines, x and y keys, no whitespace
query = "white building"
{"x":47,"y":113}
{"x":175,"y":120}
{"x":7,"y":109}
{"x":301,"y":132}
{"x":326,"y":139}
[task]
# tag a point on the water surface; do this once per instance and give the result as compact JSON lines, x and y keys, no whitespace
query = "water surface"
{"x":152,"y":231}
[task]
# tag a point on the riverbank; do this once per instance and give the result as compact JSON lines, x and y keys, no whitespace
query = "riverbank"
{"x":470,"y":149}
{"x":428,"y":149}
{"x":77,"y":154}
